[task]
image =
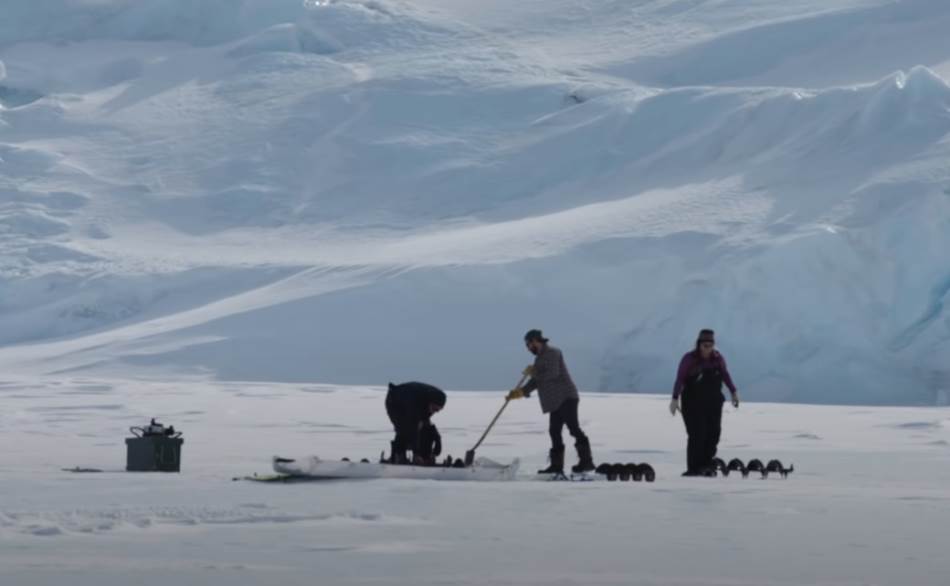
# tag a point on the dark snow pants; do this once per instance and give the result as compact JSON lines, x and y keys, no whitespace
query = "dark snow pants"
{"x":406,"y":426}
{"x":702,"y":414}
{"x":566,"y":414}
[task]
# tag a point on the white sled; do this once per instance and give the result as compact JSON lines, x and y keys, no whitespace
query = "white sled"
{"x":313,"y":467}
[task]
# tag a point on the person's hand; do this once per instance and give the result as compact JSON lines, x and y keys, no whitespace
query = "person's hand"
{"x":674,"y":406}
{"x":735,"y":399}
{"x":528,"y":370}
{"x":418,"y":460}
{"x":515,"y":394}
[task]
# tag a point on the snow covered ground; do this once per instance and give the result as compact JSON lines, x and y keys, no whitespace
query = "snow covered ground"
{"x":237,"y":198}
{"x":252,"y":188}
{"x":867,"y":504}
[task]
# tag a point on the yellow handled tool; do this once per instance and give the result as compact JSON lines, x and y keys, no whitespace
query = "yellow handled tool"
{"x":470,"y":455}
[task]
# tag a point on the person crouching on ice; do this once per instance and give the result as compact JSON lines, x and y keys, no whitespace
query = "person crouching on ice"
{"x":559,"y":398}
{"x":410,"y":407}
{"x":699,"y":381}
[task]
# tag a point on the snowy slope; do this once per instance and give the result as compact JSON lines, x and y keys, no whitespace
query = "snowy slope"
{"x":867,"y":503}
{"x":362,"y":191}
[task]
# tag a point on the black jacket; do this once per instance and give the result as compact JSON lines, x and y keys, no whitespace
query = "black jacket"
{"x":408,"y":408}
{"x":411,"y":400}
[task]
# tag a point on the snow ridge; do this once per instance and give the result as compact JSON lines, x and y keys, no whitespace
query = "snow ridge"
{"x":179,"y":178}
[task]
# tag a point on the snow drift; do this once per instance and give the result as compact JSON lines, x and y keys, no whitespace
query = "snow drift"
{"x":255,"y":190}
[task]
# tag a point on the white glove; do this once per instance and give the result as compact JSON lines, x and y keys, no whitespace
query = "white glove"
{"x":735,"y":399}
{"x":674,"y":406}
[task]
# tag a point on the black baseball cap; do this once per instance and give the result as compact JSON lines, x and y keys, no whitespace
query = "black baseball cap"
{"x":535,"y":335}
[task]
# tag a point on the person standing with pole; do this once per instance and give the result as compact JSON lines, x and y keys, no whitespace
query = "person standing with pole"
{"x":559,"y":398}
{"x":698,"y":395}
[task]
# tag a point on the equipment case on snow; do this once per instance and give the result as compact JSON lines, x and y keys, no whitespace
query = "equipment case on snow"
{"x":153,"y":449}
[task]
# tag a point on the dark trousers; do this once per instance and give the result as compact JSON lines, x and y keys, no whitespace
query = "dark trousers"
{"x":405,"y":427}
{"x":702,"y":414}
{"x":566,"y":414}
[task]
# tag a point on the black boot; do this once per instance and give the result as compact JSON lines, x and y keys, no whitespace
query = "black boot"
{"x":397,"y":456}
{"x":585,"y":460}
{"x":557,"y":462}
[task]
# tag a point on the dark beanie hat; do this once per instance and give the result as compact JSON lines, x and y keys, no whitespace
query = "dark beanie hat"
{"x":437,"y":396}
{"x":706,"y":336}
{"x":535,"y":335}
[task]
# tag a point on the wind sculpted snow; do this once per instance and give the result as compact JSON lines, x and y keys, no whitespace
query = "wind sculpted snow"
{"x":252,"y":189}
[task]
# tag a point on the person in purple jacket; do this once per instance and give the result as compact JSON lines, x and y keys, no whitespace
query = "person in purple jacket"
{"x":698,"y":395}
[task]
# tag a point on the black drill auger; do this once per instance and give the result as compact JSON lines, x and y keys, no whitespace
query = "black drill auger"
{"x":719,"y":466}
{"x":628,"y":471}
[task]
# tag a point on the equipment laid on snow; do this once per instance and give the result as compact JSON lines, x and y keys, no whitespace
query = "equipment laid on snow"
{"x":612,"y":473}
{"x":736,"y":465}
{"x":155,"y":448}
{"x":470,"y":455}
{"x":572,"y":477}
{"x":313,"y":467}
{"x":776,"y":466}
{"x":646,"y":471}
{"x":720,"y":466}
{"x":267,"y":478}
{"x":755,"y":465}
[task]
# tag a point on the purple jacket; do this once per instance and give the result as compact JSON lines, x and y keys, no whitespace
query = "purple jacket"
{"x":692,"y":364}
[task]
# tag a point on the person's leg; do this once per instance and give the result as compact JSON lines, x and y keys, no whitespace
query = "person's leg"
{"x":696,"y":433}
{"x":585,"y":460}
{"x":555,"y":427}
{"x":569,"y":415}
{"x":401,"y":443}
{"x":397,"y":449}
{"x":423,"y":447}
{"x":713,"y":430}
{"x":403,"y":429}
